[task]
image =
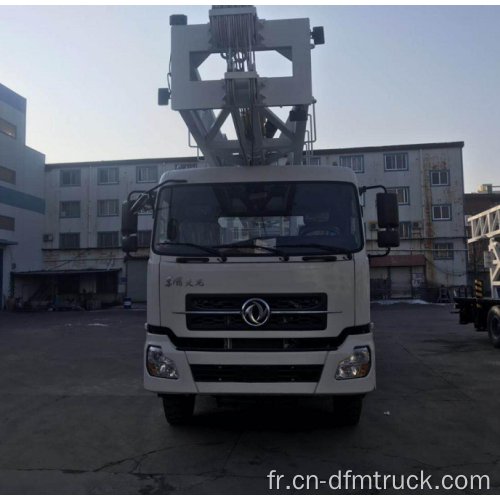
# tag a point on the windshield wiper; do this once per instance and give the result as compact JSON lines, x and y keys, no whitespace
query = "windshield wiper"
{"x":327,"y":248}
{"x":285,"y":256}
{"x":209,"y":250}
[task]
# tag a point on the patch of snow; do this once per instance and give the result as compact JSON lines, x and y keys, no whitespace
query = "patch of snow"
{"x":97,"y":324}
{"x":387,"y":412}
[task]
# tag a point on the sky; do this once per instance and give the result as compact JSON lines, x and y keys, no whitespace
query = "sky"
{"x":386,"y":75}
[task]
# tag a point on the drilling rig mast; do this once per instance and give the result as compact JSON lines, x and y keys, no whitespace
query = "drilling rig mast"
{"x":243,"y":95}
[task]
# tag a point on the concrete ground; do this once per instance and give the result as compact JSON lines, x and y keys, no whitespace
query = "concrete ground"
{"x":74,"y":417}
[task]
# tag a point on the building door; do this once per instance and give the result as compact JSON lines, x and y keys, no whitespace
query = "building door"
{"x":401,"y":283}
{"x":1,"y":279}
{"x":137,"y":280}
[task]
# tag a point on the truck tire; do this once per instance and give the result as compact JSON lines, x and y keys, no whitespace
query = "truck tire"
{"x":178,"y":408}
{"x":347,"y":410}
{"x":493,"y":322}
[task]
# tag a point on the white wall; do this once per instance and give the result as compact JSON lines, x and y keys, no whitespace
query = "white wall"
{"x":422,"y":197}
{"x":29,"y":166}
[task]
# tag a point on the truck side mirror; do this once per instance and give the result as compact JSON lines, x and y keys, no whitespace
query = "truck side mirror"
{"x":130,"y":243}
{"x":129,"y":220}
{"x":129,"y":228}
{"x":388,"y":239}
{"x":387,"y":211}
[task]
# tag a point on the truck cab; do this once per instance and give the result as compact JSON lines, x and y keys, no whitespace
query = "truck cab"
{"x":258,"y":284}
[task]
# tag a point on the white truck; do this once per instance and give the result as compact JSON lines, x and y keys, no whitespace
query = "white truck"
{"x":484,"y":312}
{"x":258,"y":277}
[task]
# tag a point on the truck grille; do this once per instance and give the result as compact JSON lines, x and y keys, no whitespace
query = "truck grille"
{"x":296,"y":312}
{"x":256,"y":373}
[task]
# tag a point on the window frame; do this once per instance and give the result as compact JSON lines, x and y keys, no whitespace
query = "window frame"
{"x":350,"y":157}
{"x":99,"y":214}
{"x":12,"y":125}
{"x":409,"y":229}
{"x":407,"y":162}
{"x":442,"y":205}
{"x":100,"y":234}
{"x":107,"y":169}
{"x":407,"y":188}
{"x":10,"y":172}
{"x":450,"y":249}
{"x":10,"y":223}
{"x":185,"y":166}
{"x":77,"y":170}
{"x":61,"y":247}
{"x":61,"y":216}
{"x":138,"y":169}
{"x":439,"y":172}
{"x":307,"y":161}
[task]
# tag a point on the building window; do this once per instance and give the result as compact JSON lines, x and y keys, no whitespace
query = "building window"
{"x":8,"y":129}
{"x":440,"y":177}
{"x":7,"y":175}
{"x":107,"y":283}
{"x":7,"y":223}
{"x":355,"y":163}
{"x":443,"y":251}
{"x":107,"y":176}
{"x":405,"y":229}
{"x":69,"y":240}
{"x":107,"y":239}
{"x":396,"y":161}
{"x":69,"y":209}
{"x":186,"y":166}
{"x":107,"y":208}
{"x":70,"y":178}
{"x":403,"y":195}
{"x":144,"y":238}
{"x":312,"y":160}
{"x":441,"y":212}
{"x":147,"y":174}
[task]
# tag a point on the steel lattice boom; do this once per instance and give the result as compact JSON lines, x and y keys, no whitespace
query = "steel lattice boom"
{"x":242,"y":94}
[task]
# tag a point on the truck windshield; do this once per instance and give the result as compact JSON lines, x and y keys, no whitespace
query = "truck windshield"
{"x":299,"y":218}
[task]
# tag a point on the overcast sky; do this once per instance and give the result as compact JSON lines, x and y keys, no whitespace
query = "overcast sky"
{"x":386,"y":75}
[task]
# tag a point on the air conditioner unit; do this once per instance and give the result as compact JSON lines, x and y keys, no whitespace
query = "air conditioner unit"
{"x":416,"y":224}
{"x":372,"y":225}
{"x":48,"y":237}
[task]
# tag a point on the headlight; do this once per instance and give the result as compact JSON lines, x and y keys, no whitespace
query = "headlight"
{"x":159,"y":365}
{"x":357,"y":365}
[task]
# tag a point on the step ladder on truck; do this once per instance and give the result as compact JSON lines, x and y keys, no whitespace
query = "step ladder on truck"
{"x":258,"y":276}
{"x":484,"y":312}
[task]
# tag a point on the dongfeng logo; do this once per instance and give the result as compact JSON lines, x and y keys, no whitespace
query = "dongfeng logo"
{"x":255,"y":312}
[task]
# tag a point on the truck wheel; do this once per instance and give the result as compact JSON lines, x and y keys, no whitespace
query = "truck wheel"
{"x":178,"y":408}
{"x":347,"y":410}
{"x":493,"y":323}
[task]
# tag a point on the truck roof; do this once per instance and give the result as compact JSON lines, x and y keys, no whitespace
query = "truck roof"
{"x":283,"y":173}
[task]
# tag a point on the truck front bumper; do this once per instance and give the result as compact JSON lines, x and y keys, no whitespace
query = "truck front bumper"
{"x":327,"y":383}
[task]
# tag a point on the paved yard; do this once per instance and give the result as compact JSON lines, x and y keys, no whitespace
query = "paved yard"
{"x":74,"y":417}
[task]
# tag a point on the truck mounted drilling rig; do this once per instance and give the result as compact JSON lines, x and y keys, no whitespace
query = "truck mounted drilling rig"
{"x":258,"y":276}
{"x":484,"y":312}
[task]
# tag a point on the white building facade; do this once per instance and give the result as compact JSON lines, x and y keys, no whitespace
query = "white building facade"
{"x":81,"y":240}
{"x":82,"y":223}
{"x":429,"y":182}
{"x":22,"y":200}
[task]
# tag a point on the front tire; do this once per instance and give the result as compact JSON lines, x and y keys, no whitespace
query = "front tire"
{"x":493,"y":323}
{"x":347,"y":410}
{"x":178,"y":408}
